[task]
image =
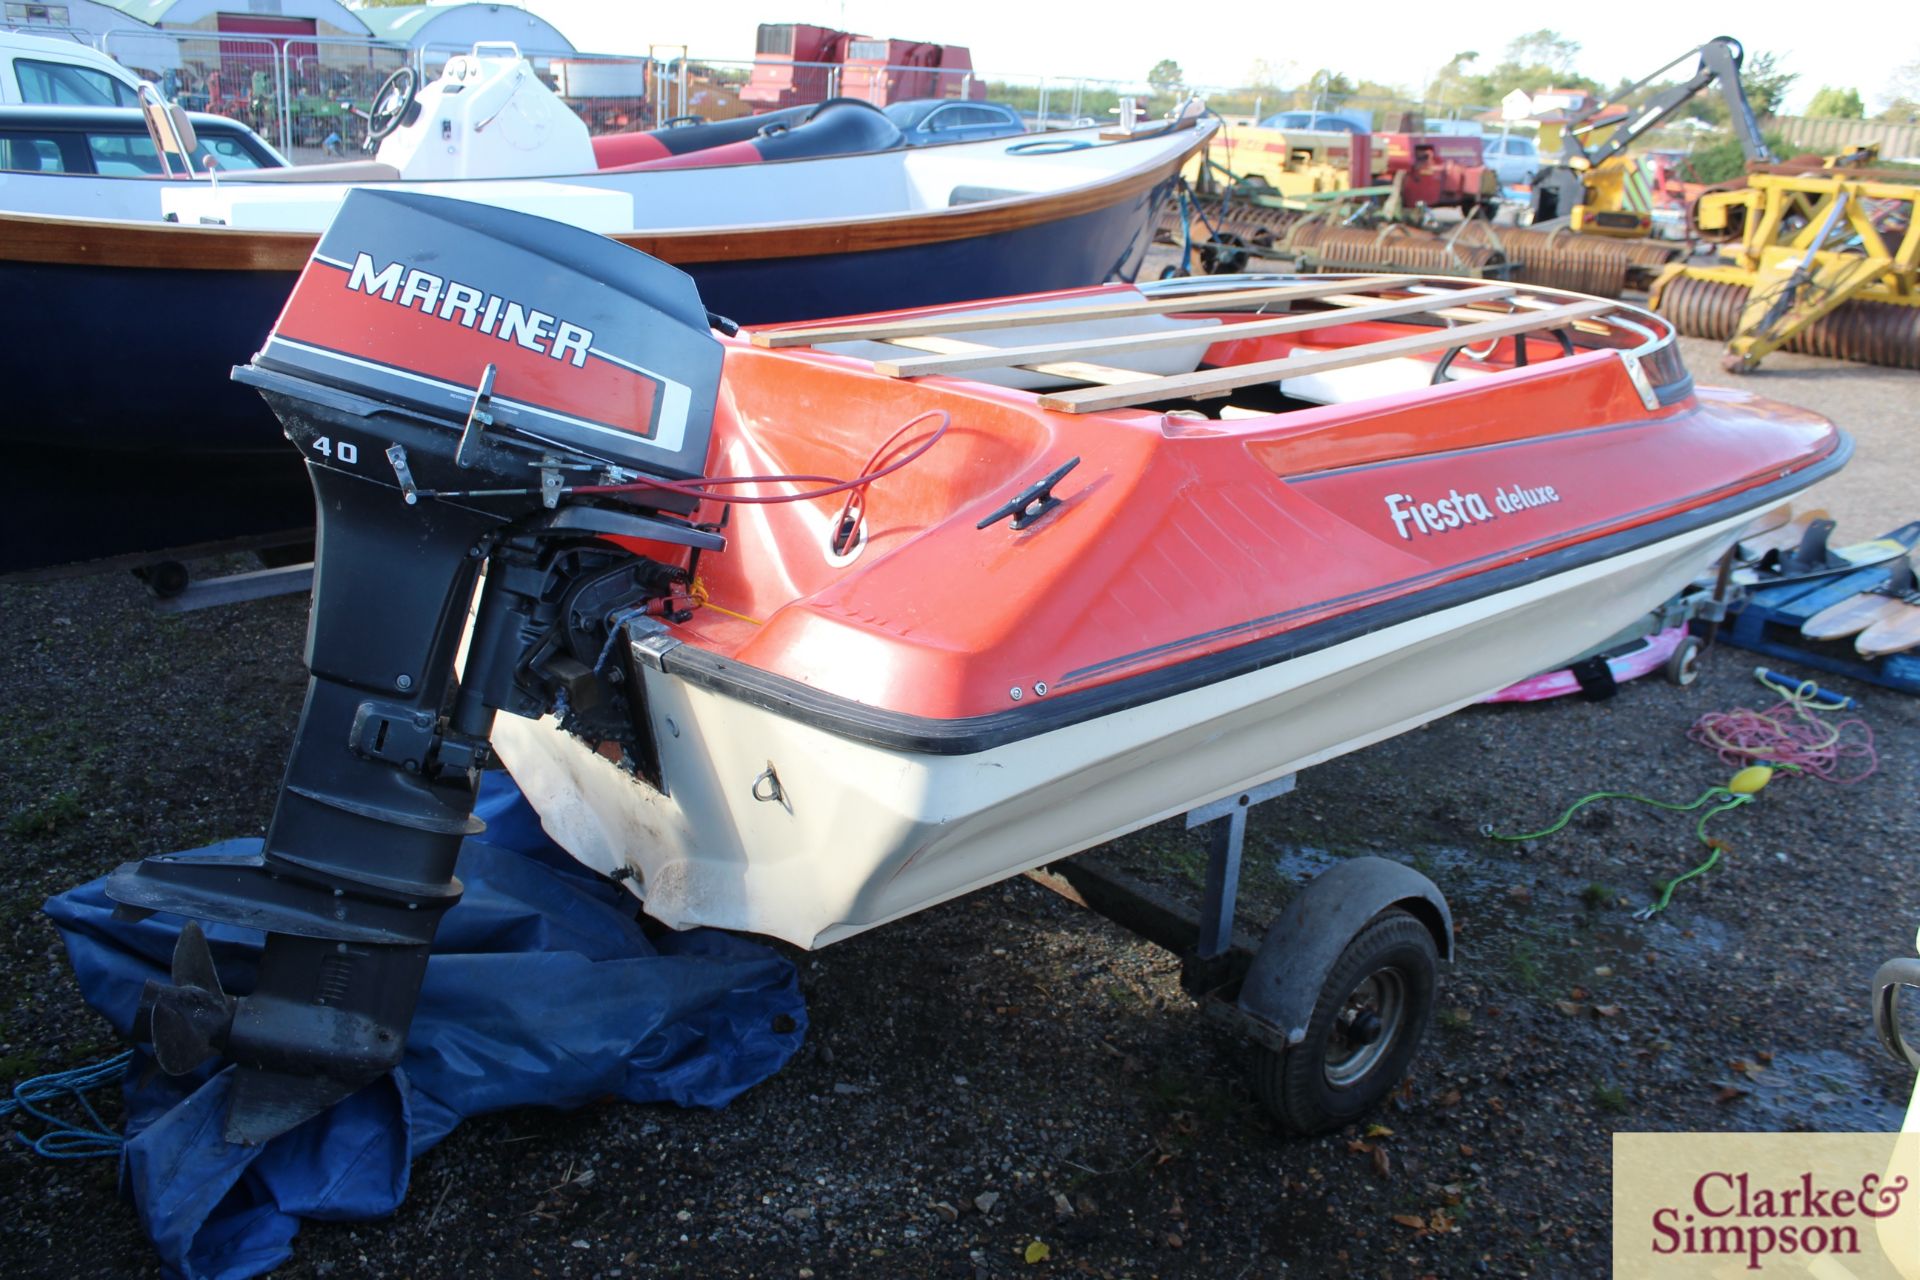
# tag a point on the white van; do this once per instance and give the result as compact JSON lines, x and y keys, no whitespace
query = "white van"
{"x":36,"y":69}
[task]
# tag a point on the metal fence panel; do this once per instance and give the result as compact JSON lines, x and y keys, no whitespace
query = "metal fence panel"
{"x":326,"y":82}
{"x":612,"y":93}
{"x":301,"y":92}
{"x":1816,"y":134}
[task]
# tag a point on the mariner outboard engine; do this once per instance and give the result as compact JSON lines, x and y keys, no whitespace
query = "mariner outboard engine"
{"x":456,"y":376}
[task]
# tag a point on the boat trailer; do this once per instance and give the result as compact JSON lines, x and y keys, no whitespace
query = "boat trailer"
{"x":1337,"y":993}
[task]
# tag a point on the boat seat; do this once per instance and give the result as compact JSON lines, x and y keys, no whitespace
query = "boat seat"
{"x":1371,"y":381}
{"x":345,"y":171}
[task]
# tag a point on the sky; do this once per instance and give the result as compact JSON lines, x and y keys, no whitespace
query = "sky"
{"x":1385,"y":40}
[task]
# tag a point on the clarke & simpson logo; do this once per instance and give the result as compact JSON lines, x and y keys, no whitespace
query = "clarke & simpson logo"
{"x":1839,"y":1205}
{"x":1730,"y":1214}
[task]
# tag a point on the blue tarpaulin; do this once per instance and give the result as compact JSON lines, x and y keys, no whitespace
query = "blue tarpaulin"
{"x":542,"y":990}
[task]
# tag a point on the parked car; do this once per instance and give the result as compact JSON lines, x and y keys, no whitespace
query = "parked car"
{"x":62,"y":73}
{"x":931,"y":120}
{"x":1036,"y":123}
{"x":1318,"y":121}
{"x":1514,"y":158}
{"x":113,"y":142}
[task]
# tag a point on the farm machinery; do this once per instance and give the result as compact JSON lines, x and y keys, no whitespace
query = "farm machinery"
{"x":1594,"y":187}
{"x":1823,"y":261}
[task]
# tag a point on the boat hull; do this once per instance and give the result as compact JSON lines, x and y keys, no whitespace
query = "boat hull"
{"x":182,"y":328}
{"x":861,"y":833}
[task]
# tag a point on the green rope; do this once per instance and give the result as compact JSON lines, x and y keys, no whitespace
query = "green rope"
{"x":1586,"y":800}
{"x":1655,"y":907}
{"x":1728,"y":800}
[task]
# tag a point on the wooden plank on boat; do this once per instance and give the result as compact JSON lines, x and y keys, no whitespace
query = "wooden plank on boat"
{"x":964,"y":321}
{"x":1002,"y":357}
{"x":1077,"y":370}
{"x":1214,"y":381}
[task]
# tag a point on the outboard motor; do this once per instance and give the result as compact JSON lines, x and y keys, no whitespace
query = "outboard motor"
{"x":456,"y":376}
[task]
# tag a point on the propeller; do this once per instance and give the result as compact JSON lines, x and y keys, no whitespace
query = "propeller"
{"x":188,"y":1019}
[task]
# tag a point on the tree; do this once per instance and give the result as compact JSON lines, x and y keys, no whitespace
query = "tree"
{"x":1902,"y":96}
{"x":1166,"y":76}
{"x":1544,"y":48}
{"x":1326,"y":90}
{"x":1837,"y":104}
{"x":1452,"y":84}
{"x":1263,"y":75}
{"x":1537,"y":60}
{"x":1766,"y":84}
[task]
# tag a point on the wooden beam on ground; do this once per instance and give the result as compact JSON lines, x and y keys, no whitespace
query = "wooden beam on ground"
{"x":965,"y":321}
{"x":1205,"y":382}
{"x":1093,"y":348}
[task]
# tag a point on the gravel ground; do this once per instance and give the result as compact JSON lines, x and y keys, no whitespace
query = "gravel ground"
{"x":1007,"y":1068}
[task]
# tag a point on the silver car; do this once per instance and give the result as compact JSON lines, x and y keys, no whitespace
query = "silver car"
{"x":930,"y":120}
{"x":1514,"y":158}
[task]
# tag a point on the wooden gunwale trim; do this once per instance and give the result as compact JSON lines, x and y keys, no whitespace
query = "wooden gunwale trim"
{"x":105,"y":242}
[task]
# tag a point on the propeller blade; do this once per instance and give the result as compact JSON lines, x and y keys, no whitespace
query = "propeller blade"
{"x":188,"y":1020}
{"x":193,"y":961}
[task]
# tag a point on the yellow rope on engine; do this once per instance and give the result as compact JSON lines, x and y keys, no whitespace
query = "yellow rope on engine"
{"x":700,"y":600}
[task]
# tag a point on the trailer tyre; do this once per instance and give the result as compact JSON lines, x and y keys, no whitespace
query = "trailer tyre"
{"x":1372,"y":1012}
{"x":1683,"y":664}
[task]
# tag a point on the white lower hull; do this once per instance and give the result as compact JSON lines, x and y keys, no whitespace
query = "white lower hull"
{"x":864,"y":834}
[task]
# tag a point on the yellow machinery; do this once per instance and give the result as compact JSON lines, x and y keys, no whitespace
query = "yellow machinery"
{"x":1289,"y":163}
{"x":1595,"y":186}
{"x":1827,"y":263}
{"x":1618,"y":201}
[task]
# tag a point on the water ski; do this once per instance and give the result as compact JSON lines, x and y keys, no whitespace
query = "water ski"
{"x":1813,"y":558}
{"x":1777,"y":530}
{"x":1862,"y":612}
{"x":1897,"y":627}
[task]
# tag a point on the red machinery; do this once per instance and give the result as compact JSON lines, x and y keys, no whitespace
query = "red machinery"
{"x":780,"y":77}
{"x":948,"y":72}
{"x":794,"y":64}
{"x":1441,"y":169}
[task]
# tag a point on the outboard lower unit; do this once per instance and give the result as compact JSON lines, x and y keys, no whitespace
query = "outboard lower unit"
{"x":453,"y":373}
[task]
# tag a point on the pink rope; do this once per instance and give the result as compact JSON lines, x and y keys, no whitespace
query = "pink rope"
{"x":1790,"y":734}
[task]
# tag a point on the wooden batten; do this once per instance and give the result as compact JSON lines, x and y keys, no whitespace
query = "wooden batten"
{"x":1077,"y":370}
{"x":969,"y":321}
{"x":1206,"y":382}
{"x":1094,"y":348}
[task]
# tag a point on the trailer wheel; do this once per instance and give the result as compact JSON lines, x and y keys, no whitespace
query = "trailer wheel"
{"x":1683,"y":664}
{"x":165,"y":579}
{"x":1372,"y":1012}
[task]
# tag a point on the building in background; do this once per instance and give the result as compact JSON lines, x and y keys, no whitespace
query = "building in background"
{"x":295,"y":70}
{"x":438,"y":31}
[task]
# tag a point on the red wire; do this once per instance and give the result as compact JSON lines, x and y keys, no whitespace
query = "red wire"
{"x":831,"y":485}
{"x":859,"y":493}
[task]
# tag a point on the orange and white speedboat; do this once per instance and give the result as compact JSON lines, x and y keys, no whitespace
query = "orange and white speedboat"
{"x":803,"y":629}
